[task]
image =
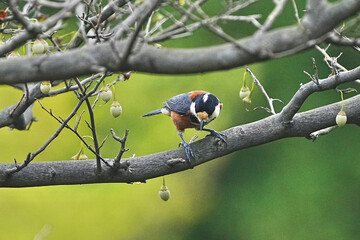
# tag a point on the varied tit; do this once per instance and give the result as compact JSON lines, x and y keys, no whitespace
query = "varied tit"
{"x":192,"y":110}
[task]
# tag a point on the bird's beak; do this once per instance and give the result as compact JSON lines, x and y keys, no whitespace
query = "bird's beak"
{"x":201,"y":125}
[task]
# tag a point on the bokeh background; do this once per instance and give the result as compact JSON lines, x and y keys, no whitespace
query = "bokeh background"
{"x":289,"y":189}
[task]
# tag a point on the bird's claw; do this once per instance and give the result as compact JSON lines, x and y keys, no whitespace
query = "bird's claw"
{"x":218,"y":135}
{"x":190,"y":156}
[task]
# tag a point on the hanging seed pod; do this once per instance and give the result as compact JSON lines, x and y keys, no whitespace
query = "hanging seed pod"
{"x":164,"y":192}
{"x":40,"y":46}
{"x":247,"y":99}
{"x":45,"y":87}
{"x":105,"y":93}
{"x":341,"y":118}
{"x":115,"y":109}
{"x":244,"y":92}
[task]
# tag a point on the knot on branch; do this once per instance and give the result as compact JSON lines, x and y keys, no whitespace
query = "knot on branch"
{"x":174,"y":161}
{"x":123,"y":165}
{"x":287,"y":123}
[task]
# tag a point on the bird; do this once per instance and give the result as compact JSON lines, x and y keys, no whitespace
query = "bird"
{"x":193,"y":109}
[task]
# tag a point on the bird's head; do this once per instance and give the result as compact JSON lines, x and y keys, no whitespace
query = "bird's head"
{"x":204,"y":108}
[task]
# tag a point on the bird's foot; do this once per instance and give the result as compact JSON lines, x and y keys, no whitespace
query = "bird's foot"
{"x":190,"y":156}
{"x":218,"y":135}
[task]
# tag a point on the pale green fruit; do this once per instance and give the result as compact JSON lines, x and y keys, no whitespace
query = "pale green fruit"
{"x":164,"y":193}
{"x":341,"y":119}
{"x":40,"y":46}
{"x":244,"y":92}
{"x":105,"y":94}
{"x":115,"y":109}
{"x":247,"y":99}
{"x":45,"y":87}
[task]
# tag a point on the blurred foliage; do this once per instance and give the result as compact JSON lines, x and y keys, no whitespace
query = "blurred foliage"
{"x":289,"y":189}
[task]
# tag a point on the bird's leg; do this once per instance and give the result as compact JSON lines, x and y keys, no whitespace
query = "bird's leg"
{"x":189,"y":153}
{"x":214,"y":133}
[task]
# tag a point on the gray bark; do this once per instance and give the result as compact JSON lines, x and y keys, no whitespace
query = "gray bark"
{"x":142,"y":168}
{"x":316,"y":26}
{"x":91,"y":59}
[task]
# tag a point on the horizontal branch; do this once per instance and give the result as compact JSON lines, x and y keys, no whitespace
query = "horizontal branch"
{"x":163,"y":163}
{"x":144,"y":58}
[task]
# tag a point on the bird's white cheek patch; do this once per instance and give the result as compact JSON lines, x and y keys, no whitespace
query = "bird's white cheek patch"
{"x":192,"y":108}
{"x":215,"y":113}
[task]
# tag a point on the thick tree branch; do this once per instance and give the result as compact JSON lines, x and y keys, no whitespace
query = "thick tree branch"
{"x":278,"y":42}
{"x":163,"y":163}
{"x":131,"y":54}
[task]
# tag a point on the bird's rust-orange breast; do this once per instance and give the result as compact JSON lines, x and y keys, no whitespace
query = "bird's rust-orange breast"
{"x":182,"y":121}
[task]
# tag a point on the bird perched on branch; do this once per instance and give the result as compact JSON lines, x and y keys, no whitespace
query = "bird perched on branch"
{"x":192,"y":110}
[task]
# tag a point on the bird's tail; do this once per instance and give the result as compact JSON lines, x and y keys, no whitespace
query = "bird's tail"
{"x":155,"y":112}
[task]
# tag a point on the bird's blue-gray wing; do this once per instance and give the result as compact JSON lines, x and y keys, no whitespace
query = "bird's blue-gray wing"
{"x":179,"y":103}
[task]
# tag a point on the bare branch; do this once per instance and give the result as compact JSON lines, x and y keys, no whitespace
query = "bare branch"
{"x":142,"y":12}
{"x":344,"y":41}
{"x":275,"y":43}
{"x":38,"y":28}
{"x":315,"y":76}
{"x":296,"y":12}
{"x":315,"y":135}
{"x":92,"y":119}
{"x":307,"y":89}
{"x":257,"y":83}
{"x":31,"y":157}
{"x":27,"y":24}
{"x":74,"y":87}
{"x":280,"y":4}
{"x":117,"y":164}
{"x":163,"y":163}
{"x":74,"y":130}
{"x":331,"y":60}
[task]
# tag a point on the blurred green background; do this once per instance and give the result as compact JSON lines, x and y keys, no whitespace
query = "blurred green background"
{"x":289,"y":189}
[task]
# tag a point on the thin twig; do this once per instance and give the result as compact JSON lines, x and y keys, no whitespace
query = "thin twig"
{"x":257,"y":82}
{"x":92,"y":121}
{"x":103,"y":141}
{"x":314,"y":135}
{"x":296,"y":13}
{"x":74,"y":87}
{"x":132,"y":39}
{"x":314,"y":77}
{"x":60,"y":120}
{"x":77,"y":122}
{"x":30,"y":156}
{"x":280,"y":4}
{"x":147,"y":27}
{"x":33,"y":29}
{"x":122,"y":141}
{"x":209,"y":23}
{"x":328,"y":59}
